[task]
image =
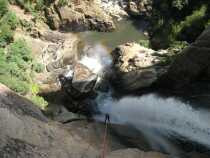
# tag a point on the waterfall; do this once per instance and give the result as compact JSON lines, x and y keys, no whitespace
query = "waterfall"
{"x":96,"y":58}
{"x":158,"y":118}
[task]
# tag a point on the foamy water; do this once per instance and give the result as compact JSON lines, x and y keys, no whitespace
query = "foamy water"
{"x":96,"y":58}
{"x":158,"y":118}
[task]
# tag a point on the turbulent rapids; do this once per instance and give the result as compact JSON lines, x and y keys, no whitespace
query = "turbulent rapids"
{"x":160,"y":120}
{"x":158,"y":117}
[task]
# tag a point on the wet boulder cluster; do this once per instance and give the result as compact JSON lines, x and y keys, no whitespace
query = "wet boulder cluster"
{"x":79,"y":82}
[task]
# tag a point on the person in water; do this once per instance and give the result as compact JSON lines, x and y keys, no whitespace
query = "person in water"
{"x":107,"y":118}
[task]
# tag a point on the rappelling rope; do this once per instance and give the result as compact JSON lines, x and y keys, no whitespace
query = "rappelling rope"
{"x":104,"y":145}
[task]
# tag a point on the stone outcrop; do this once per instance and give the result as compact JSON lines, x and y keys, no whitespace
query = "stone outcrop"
{"x":191,"y":65}
{"x":55,"y":51}
{"x":80,"y":82}
{"x":136,"y":67}
{"x":78,"y":15}
{"x":115,"y":8}
{"x":26,"y":133}
{"x":83,"y":80}
{"x":61,"y":50}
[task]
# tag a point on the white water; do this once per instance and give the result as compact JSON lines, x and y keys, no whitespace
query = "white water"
{"x":96,"y":58}
{"x":158,"y":118}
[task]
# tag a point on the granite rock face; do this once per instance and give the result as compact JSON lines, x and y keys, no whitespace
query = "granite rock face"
{"x":27,"y":133}
{"x":136,"y":67}
{"x":78,"y":15}
{"x":79,"y":82}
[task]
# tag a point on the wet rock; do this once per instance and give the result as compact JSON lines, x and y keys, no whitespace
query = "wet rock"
{"x":136,"y":67}
{"x":64,"y":116}
{"x":26,"y":133}
{"x":190,"y":66}
{"x":80,"y":83}
{"x":61,"y":50}
{"x":55,"y":50}
{"x":84,"y":79}
{"x":135,"y":153}
{"x":78,"y":16}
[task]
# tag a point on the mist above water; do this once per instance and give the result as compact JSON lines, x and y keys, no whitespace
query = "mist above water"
{"x":96,"y":58}
{"x":158,"y":119}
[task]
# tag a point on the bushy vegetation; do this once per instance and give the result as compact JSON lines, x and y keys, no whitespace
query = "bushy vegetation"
{"x":17,"y":66}
{"x":3,"y":7}
{"x":179,"y":20}
{"x":36,"y":99}
{"x":144,"y":43}
{"x":31,"y":5}
{"x":8,"y":22}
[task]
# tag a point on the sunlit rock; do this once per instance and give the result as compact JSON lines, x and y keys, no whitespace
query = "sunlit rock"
{"x":83,"y":80}
{"x":78,"y":16}
{"x":136,"y":67}
{"x":26,"y":132}
{"x":79,"y":82}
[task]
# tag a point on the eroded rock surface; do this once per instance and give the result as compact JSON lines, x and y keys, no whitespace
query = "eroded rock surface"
{"x":78,"y":15}
{"x":136,"y":67}
{"x":80,"y":83}
{"x":26,"y":133}
{"x":115,"y":8}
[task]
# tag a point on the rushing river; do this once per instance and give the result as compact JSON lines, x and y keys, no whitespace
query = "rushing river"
{"x":161,"y":121}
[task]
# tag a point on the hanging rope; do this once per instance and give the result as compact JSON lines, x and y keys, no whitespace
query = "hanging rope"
{"x":104,"y":145}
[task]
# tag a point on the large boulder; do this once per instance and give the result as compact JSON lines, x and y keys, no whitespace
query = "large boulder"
{"x":26,"y":133}
{"x":84,"y":79}
{"x":78,"y":15}
{"x":79,"y":82}
{"x":191,"y":65}
{"x":136,"y":67}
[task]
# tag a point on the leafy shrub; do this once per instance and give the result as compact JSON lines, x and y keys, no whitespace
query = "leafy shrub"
{"x":2,"y":55}
{"x":15,"y":84}
{"x":15,"y":65}
{"x":144,"y":43}
{"x":62,"y":3}
{"x":39,"y":101}
{"x":10,"y":19}
{"x":179,"y":20}
{"x":37,"y":67}
{"x":40,"y":4}
{"x":19,"y":52}
{"x":3,"y":7}
{"x":179,"y":4}
{"x":34,"y":89}
{"x":6,"y":35}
